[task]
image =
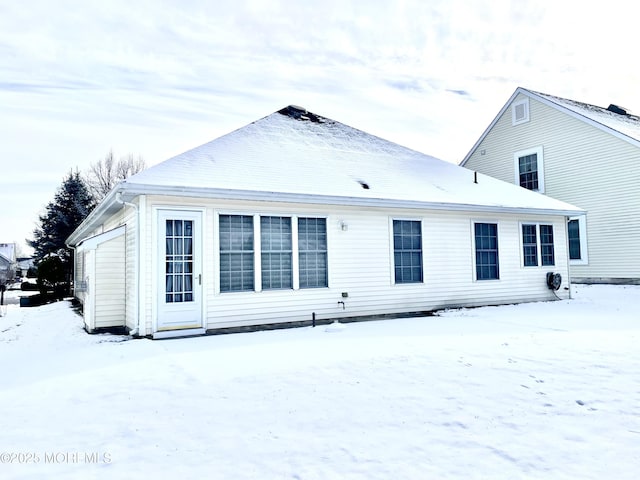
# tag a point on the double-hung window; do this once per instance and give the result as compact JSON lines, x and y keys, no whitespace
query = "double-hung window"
{"x":275,"y":239}
{"x":537,"y":245}
{"x":236,"y":253}
{"x":407,"y":251}
{"x":529,"y":169}
{"x":486,"y":246}
{"x":530,"y":245}
{"x":312,"y":252}
{"x":547,"y":254}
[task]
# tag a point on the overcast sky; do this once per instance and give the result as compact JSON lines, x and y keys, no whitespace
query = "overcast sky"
{"x":156,"y":78}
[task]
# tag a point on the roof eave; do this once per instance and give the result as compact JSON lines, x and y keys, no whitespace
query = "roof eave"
{"x":134,"y":190}
{"x":96,"y":217}
{"x":584,"y":118}
{"x":128,"y":191}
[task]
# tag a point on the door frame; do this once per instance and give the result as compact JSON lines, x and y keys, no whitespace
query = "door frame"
{"x":157,"y":264}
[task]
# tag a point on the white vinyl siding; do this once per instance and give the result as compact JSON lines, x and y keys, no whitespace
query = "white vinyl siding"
{"x":584,"y":166}
{"x":109,"y":286}
{"x":360,"y":264}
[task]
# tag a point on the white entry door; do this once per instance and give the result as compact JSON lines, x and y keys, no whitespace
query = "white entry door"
{"x":179,"y":270}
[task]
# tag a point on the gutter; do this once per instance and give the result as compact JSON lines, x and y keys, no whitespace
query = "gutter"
{"x":253,"y":195}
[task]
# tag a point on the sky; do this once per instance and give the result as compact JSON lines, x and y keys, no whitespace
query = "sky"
{"x":156,"y":78}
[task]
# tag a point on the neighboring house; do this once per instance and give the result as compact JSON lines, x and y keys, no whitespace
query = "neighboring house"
{"x":582,"y":154}
{"x":7,"y":262}
{"x":295,"y":217}
{"x":24,"y":265}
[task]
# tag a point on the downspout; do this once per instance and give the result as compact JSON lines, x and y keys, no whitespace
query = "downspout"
{"x":119,"y":199}
{"x":566,"y":237}
{"x":73,"y":279}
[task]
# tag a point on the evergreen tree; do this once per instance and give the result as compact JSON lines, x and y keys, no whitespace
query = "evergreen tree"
{"x":71,"y":204}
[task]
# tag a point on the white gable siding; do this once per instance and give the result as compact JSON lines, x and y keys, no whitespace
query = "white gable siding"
{"x":584,"y":166}
{"x":109,"y":290}
{"x":360,"y":262}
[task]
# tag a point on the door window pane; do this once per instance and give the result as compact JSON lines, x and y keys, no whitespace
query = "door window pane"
{"x":178,"y":261}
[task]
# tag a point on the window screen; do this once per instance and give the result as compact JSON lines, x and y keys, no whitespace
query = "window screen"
{"x":275,"y":240}
{"x":312,"y":252}
{"x":407,"y":251}
{"x":236,"y":253}
{"x":486,"y":238}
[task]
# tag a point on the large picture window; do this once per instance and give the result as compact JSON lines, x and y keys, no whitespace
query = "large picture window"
{"x":275,"y":240}
{"x":407,"y":251}
{"x":486,"y":245}
{"x":236,"y":253}
{"x":312,"y":252}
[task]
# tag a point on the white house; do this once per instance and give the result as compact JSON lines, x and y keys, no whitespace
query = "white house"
{"x":584,"y":155}
{"x":7,"y":262}
{"x":296,"y":216}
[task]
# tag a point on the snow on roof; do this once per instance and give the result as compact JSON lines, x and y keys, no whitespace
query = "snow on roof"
{"x":626,"y":124}
{"x":298,"y":155}
{"x":8,"y":251}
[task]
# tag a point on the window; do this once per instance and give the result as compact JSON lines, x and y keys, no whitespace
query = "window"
{"x":529,"y":169}
{"x":178,"y":261}
{"x":530,"y":246}
{"x":407,"y":251}
{"x":546,"y":245}
{"x":312,"y":252}
{"x":486,"y":245}
{"x":520,"y":112}
{"x":574,"y":240}
{"x":275,"y":239}
{"x":576,"y":230}
{"x":236,"y":253}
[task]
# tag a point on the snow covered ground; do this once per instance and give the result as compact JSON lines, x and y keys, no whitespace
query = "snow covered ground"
{"x":535,"y":391}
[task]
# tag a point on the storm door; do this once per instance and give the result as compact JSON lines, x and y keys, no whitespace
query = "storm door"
{"x":179,"y":270}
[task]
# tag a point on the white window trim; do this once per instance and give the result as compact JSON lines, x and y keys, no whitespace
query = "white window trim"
{"x":472,"y":232}
{"x":539,"y":151}
{"x":584,"y":253}
{"x":525,"y":119}
{"x":392,"y":262}
{"x":538,"y":245}
{"x":257,"y":249}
